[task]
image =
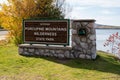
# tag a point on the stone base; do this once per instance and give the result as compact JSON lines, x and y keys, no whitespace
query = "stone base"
{"x":53,"y":51}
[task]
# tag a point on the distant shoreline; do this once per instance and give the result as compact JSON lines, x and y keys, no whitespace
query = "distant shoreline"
{"x":99,"y":26}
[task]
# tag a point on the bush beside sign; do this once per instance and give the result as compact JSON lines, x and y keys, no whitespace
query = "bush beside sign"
{"x":46,"y":31}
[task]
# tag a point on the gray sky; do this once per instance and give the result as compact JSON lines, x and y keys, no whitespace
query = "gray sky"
{"x":105,"y":12}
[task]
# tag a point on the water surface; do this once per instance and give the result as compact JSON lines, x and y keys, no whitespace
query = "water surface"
{"x":102,"y":35}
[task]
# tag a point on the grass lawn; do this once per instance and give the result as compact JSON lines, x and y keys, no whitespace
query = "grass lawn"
{"x":16,"y":67}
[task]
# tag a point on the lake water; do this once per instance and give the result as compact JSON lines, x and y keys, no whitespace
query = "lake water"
{"x":102,"y":35}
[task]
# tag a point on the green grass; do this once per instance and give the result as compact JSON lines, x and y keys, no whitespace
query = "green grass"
{"x":16,"y":67}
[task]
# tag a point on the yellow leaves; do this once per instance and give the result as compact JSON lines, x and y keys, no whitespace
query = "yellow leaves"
{"x":7,"y":22}
{"x":11,"y":14}
{"x":16,"y":10}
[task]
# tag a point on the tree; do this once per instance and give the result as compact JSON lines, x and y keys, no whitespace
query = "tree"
{"x":113,"y":42}
{"x":15,"y":11}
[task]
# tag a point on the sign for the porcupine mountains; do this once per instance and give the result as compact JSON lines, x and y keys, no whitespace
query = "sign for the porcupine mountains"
{"x":46,"y":31}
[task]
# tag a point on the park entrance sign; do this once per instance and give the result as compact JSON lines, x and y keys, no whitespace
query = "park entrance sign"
{"x":83,"y":38}
{"x":46,"y":31}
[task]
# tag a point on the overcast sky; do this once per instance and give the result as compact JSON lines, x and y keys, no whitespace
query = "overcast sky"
{"x":105,"y":12}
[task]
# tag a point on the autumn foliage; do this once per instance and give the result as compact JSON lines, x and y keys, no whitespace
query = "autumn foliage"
{"x":113,"y":42}
{"x":13,"y":12}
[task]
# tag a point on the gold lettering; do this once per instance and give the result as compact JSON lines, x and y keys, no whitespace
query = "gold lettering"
{"x":55,"y":29}
{"x":45,"y":33}
{"x":40,"y":39}
{"x":49,"y":39}
{"x":44,"y":24}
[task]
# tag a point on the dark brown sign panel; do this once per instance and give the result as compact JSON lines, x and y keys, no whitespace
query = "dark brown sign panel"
{"x":46,"y":31}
